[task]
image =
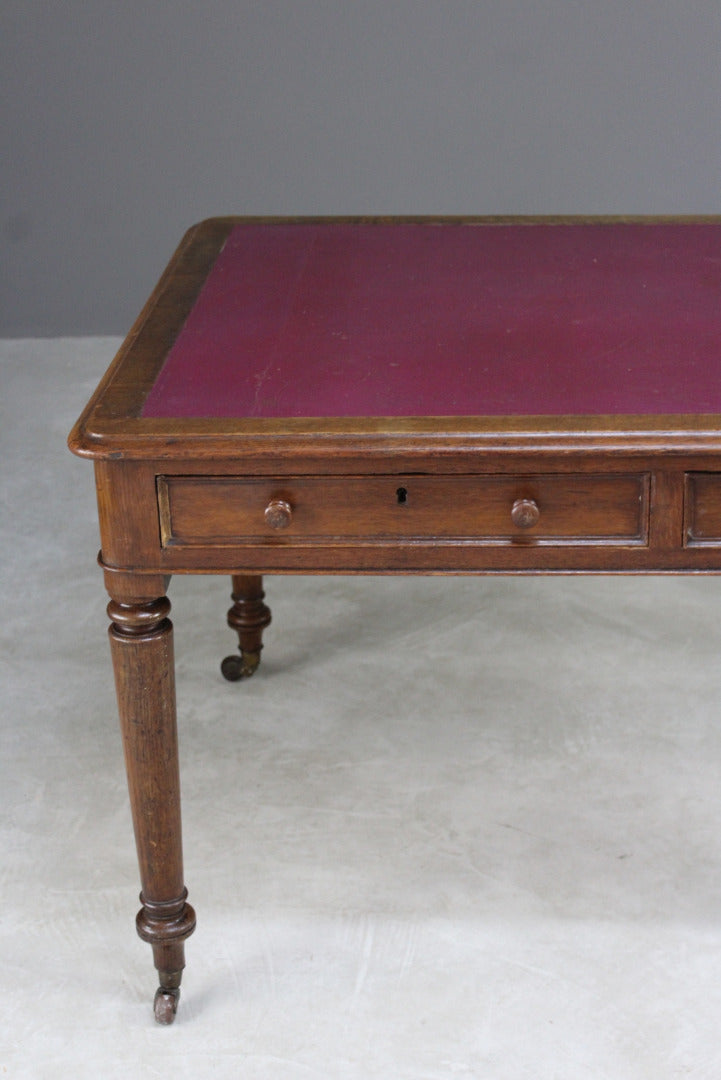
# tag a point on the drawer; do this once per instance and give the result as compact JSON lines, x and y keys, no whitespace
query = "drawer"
{"x":549,"y":508}
{"x":702,"y":510}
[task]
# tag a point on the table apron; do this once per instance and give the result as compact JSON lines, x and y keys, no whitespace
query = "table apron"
{"x":604,"y":515}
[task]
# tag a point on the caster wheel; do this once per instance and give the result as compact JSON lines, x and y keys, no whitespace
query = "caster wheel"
{"x":234,"y":668}
{"x":165,"y":1005}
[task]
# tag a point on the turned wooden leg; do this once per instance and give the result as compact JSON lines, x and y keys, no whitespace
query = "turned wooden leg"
{"x":249,"y":616}
{"x":141,"y":637}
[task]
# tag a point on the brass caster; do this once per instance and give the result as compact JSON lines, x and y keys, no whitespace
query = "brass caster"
{"x":235,"y":667}
{"x":165,"y":1005}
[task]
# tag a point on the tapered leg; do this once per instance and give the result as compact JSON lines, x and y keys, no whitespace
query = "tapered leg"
{"x":249,"y":616}
{"x":141,"y":637}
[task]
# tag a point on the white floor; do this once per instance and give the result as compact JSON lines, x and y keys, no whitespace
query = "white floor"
{"x":454,"y":828}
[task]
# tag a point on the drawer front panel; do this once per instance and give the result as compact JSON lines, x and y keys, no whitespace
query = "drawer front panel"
{"x":544,"y":509}
{"x":702,"y":510}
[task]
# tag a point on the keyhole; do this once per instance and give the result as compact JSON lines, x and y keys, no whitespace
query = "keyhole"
{"x":402,"y":495}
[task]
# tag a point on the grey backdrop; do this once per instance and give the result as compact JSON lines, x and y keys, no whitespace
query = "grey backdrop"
{"x":124,"y":123}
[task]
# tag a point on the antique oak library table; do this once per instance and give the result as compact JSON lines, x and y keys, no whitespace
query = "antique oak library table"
{"x":392,"y":396}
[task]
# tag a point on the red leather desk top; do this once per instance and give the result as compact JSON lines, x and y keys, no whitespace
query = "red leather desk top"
{"x":331,"y":319}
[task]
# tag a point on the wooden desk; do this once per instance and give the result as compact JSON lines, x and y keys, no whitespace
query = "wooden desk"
{"x":408,"y":396}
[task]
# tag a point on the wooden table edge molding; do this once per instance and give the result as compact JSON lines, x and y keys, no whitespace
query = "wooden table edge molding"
{"x":261,"y":491}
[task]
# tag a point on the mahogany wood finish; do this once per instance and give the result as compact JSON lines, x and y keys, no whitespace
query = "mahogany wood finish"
{"x":278,"y":514}
{"x":209,"y":511}
{"x":249,"y":616}
{"x":251,"y":495}
{"x":141,"y":638}
{"x":525,"y":513}
{"x":703,"y":509}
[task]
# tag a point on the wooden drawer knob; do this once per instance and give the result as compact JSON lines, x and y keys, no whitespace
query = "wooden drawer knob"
{"x":278,"y":513}
{"x":525,"y":513}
